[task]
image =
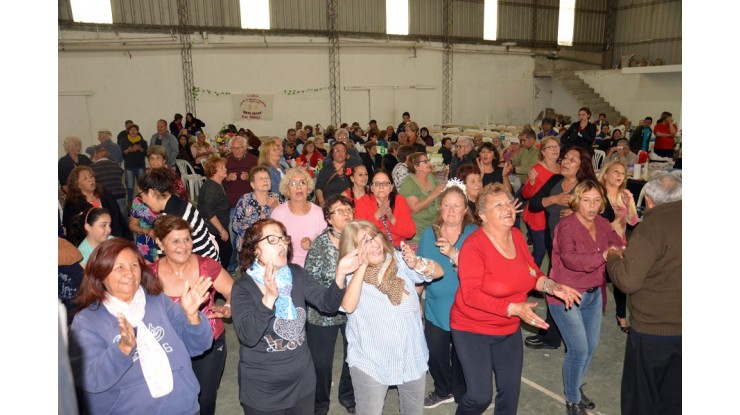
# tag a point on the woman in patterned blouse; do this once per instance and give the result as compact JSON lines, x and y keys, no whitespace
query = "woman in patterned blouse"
{"x":321,"y":330}
{"x":255,"y":205}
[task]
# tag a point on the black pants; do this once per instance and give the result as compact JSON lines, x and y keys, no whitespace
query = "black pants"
{"x":321,"y":342}
{"x":651,"y":379}
{"x":620,"y":299}
{"x":444,"y":365}
{"x":208,"y":369}
{"x":552,"y":335}
{"x":481,"y":354}
{"x":303,"y":406}
{"x":224,"y":252}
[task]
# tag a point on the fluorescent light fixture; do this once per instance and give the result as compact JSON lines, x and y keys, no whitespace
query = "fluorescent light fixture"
{"x":397,"y":17}
{"x":566,"y":21}
{"x":92,"y":11}
{"x":255,"y":14}
{"x":490,"y":19}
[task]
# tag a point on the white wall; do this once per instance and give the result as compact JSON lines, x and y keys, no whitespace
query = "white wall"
{"x":141,"y":80}
{"x":550,"y":94}
{"x":638,"y":95}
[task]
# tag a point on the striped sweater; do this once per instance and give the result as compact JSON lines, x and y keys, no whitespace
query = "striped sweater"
{"x":204,"y":244}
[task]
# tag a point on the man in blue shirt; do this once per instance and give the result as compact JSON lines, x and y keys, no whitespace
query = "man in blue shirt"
{"x":114,"y":150}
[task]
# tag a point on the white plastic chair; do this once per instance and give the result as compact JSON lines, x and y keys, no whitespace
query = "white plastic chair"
{"x":598,"y":158}
{"x":190,"y":178}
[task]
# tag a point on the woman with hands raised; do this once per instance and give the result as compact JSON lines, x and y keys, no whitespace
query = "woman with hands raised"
{"x":180,"y":266}
{"x":276,"y":372}
{"x":496,"y":272}
{"x":386,"y":209}
{"x":384,"y":326}
{"x":130,"y":345}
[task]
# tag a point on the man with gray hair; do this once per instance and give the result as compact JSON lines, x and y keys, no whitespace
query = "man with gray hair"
{"x":464,"y":154}
{"x":164,"y":138}
{"x":109,"y":174}
{"x":114,"y":150}
{"x":649,"y":270}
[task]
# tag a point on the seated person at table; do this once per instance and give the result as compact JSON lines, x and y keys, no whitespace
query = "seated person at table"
{"x":622,"y":152}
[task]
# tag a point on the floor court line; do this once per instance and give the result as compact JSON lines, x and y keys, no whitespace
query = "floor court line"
{"x":549,"y":393}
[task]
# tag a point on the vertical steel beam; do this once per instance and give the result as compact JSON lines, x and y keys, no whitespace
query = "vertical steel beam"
{"x":334,"y":81}
{"x":183,"y":29}
{"x":447,"y":62}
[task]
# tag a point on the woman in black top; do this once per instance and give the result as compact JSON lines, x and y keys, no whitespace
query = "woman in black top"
{"x":580,"y":134}
{"x":215,"y":207}
{"x":488,"y":162}
{"x":193,"y":124}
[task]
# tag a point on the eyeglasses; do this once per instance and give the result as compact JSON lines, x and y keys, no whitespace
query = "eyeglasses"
{"x":296,"y":183}
{"x":274,"y":239}
{"x":237,"y":148}
{"x":462,"y":145}
{"x":381,"y":184}
{"x":423,"y":161}
{"x":555,"y":147}
{"x":342,"y":211}
{"x":369,"y":239}
{"x":339,"y":150}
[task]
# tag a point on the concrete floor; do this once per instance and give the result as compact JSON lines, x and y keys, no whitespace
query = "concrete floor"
{"x":542,"y":386}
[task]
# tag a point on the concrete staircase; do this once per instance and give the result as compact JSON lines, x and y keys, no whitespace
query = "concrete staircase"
{"x":586,"y":96}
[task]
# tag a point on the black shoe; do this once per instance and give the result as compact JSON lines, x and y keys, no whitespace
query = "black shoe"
{"x":588,"y":403}
{"x":433,"y":400}
{"x":350,"y":409}
{"x":534,"y":342}
{"x":575,"y":408}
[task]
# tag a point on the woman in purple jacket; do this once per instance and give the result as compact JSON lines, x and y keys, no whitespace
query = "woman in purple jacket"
{"x":579,"y":261}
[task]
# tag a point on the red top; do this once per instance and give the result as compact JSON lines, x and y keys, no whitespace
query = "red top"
{"x":489,"y":283}
{"x":404,"y":228}
{"x":536,"y":221}
{"x":313,"y":161}
{"x":207,"y":267}
{"x":663,"y":143}
{"x":235,"y":189}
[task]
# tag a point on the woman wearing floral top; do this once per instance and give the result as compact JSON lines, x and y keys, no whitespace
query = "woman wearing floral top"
{"x":255,"y":205}
{"x":322,"y":329}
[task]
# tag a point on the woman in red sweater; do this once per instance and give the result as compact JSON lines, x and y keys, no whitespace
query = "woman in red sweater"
{"x":386,"y":209}
{"x":496,"y":272}
{"x":538,"y":175}
{"x":665,"y":132}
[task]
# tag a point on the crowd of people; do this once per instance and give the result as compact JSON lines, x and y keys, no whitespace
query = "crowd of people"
{"x":421,"y":270}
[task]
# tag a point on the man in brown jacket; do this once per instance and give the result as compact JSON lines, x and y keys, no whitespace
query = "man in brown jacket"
{"x":649,"y":270}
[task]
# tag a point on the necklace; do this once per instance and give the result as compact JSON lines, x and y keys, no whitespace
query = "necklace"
{"x":498,"y":248}
{"x":177,"y":274}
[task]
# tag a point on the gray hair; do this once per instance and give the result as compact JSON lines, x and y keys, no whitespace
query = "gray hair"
{"x":663,"y":188}
{"x":238,"y":138}
{"x":68,"y":141}
{"x":464,"y":138}
{"x":341,"y":130}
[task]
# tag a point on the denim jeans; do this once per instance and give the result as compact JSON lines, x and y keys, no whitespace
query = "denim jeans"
{"x":132,"y":177}
{"x":538,"y":245}
{"x":580,"y":327}
{"x":232,"y":237}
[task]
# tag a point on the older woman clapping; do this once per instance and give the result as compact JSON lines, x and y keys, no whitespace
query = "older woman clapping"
{"x":131,"y":345}
{"x":442,"y":242}
{"x":322,"y":329}
{"x":386,"y":209}
{"x":180,"y":266}
{"x":581,"y":243}
{"x":496,"y":272}
{"x":384,"y":330}
{"x":303,"y":219}
{"x":73,"y":158}
{"x":421,"y":190}
{"x":276,"y":372}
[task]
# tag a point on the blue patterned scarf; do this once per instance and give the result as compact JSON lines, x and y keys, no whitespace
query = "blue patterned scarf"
{"x":284,"y":307}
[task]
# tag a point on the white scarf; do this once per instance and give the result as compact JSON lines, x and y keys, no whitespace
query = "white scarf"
{"x":153,"y":359}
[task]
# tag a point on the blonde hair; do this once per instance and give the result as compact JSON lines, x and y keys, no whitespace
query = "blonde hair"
{"x":289,"y":175}
{"x":264,"y":158}
{"x":543,"y":144}
{"x":605,"y":170}
{"x":68,"y":141}
{"x":348,"y":242}
{"x":583,"y":187}
{"x":492,"y":189}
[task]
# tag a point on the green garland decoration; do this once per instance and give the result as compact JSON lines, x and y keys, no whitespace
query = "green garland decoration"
{"x":197,"y":91}
{"x":303,"y":91}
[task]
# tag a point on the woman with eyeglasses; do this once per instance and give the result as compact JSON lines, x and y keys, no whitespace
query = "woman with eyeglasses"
{"x":386,"y":209}
{"x":303,"y":219}
{"x":276,"y":372}
{"x":384,"y":325}
{"x":421,"y":190}
{"x":322,"y":328}
{"x":538,"y":175}
{"x":333,"y":178}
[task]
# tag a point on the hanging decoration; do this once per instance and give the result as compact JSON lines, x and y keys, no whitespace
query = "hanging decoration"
{"x":292,"y":92}
{"x":197,"y":91}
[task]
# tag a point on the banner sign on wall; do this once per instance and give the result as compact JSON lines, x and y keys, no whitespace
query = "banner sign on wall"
{"x":252,"y":106}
